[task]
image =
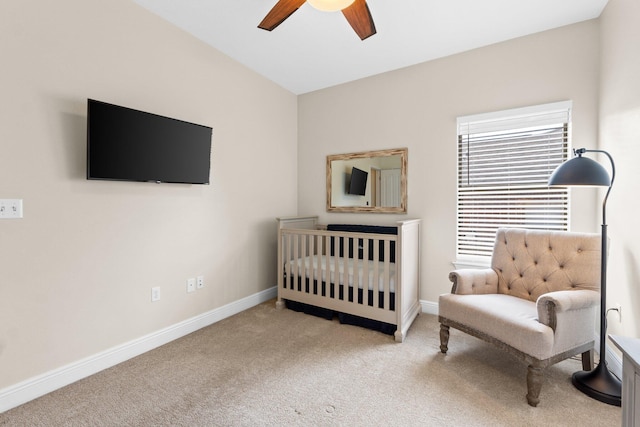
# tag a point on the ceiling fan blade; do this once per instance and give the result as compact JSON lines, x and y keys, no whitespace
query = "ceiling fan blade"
{"x":359,"y":17}
{"x":281,"y":11}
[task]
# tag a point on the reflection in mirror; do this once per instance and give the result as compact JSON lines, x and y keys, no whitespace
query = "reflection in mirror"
{"x":371,"y":181}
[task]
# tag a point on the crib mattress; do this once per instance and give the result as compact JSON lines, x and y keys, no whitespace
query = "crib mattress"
{"x":318,"y":266}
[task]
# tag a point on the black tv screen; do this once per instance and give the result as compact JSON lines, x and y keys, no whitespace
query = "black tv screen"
{"x":358,"y":183}
{"x":132,"y":145}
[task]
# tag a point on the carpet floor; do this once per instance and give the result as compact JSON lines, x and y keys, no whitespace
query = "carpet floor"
{"x":266,"y":367}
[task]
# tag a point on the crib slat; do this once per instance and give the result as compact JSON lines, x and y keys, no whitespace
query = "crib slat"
{"x":336,"y":267}
{"x":387,"y":291}
{"x":296,"y":272}
{"x":345,"y":268}
{"x":317,"y":271}
{"x":311,"y":269}
{"x":287,"y":257}
{"x":365,"y":272}
{"x":376,"y":272}
{"x":281,"y":261}
{"x":325,"y":269}
{"x":303,"y":255}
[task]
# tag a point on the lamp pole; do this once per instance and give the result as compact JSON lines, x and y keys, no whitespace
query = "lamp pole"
{"x":600,"y":383}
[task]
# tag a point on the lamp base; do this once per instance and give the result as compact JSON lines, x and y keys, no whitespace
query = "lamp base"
{"x":599,"y":384}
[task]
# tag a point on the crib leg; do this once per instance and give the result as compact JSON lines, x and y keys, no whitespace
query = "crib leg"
{"x":398,"y":335}
{"x":279,"y":304}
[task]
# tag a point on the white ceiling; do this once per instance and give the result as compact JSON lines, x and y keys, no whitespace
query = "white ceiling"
{"x":313,"y":50}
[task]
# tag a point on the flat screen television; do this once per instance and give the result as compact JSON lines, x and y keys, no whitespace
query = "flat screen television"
{"x":358,"y":183}
{"x":131,"y":145}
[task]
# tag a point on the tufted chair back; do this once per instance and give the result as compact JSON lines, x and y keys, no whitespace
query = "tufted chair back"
{"x":530,"y":263}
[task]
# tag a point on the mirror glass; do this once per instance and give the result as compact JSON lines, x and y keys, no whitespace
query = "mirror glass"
{"x":370,"y":181}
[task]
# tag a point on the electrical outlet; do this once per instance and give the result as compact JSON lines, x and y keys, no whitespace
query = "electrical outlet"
{"x":155,"y":294}
{"x":200,"y":282}
{"x":10,"y":208}
{"x":191,"y":284}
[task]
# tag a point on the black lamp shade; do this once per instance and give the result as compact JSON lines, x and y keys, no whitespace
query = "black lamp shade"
{"x":580,"y":171}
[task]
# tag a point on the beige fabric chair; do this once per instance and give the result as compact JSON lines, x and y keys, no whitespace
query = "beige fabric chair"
{"x":538,"y":300}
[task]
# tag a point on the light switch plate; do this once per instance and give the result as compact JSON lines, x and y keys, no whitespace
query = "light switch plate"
{"x":155,"y":294}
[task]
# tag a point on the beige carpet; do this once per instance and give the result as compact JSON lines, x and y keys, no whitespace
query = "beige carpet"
{"x":269,"y":367}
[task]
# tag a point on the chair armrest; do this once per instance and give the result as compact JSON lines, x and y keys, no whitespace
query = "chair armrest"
{"x":552,"y":304}
{"x":474,"y":281}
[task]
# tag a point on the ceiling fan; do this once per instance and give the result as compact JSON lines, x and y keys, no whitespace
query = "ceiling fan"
{"x":356,"y":11}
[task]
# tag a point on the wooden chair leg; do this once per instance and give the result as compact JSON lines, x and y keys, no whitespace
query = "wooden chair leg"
{"x":587,"y":360}
{"x":534,"y":384}
{"x":444,"y":338}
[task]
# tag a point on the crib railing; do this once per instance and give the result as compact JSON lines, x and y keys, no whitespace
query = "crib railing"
{"x":344,"y":271}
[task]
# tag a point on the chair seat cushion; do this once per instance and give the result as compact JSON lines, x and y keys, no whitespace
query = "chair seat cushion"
{"x":511,"y":320}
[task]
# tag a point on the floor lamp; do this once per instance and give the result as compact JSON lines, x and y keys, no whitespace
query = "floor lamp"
{"x":599,"y":383}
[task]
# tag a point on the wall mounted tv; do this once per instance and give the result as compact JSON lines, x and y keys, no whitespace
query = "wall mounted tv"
{"x":358,"y":183}
{"x":131,"y":145}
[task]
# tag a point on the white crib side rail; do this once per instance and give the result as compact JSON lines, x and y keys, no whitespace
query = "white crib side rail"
{"x":313,"y":250}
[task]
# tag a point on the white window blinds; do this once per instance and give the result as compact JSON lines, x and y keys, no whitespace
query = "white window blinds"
{"x":504,"y":162}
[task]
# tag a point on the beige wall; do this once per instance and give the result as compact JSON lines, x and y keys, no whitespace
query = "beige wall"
{"x":76,"y":273}
{"x":417,"y":108}
{"x":620,"y":136}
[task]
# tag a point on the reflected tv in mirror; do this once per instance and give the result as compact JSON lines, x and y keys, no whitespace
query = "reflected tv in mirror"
{"x":358,"y":183}
{"x":131,"y":145}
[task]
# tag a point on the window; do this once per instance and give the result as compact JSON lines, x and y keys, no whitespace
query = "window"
{"x":504,"y":162}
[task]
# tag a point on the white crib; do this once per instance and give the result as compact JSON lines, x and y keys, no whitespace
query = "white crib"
{"x":365,"y":274}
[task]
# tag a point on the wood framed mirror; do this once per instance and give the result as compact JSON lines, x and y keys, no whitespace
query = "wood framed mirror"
{"x":369,"y":181}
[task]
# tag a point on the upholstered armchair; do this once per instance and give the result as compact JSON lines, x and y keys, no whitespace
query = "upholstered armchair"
{"x":538,"y":300}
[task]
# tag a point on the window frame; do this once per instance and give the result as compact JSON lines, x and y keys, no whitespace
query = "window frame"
{"x":520,"y":117}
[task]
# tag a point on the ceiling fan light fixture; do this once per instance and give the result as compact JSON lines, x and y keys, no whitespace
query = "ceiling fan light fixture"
{"x":330,"y":5}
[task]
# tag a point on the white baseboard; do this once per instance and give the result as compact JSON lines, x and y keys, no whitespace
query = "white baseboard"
{"x":32,"y":388}
{"x":429,"y":307}
{"x":614,"y":362}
